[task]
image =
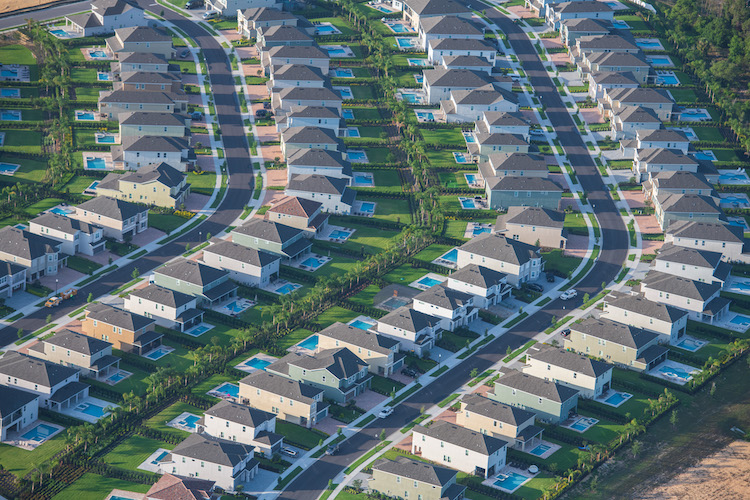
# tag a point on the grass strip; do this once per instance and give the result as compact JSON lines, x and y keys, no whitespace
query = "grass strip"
{"x":415,"y":422}
{"x":126,"y":285}
{"x":406,"y":394}
{"x":518,"y":351}
{"x":515,"y":321}
{"x":288,"y":478}
{"x":366,"y":457}
{"x":481,"y":377}
{"x":558,"y":324}
{"x":584,"y":271}
{"x":365,"y":421}
{"x":439,"y":371}
{"x":448,"y":400}
{"x":192,"y":226}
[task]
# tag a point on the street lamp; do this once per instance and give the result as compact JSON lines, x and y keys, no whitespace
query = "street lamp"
{"x":200,"y":237}
{"x":440,"y":359}
{"x":55,"y":286}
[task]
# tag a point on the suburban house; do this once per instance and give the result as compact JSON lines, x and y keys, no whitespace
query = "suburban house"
{"x":227,"y":463}
{"x":502,"y":122}
{"x":648,"y":162}
{"x":457,"y":447}
{"x":318,"y":161}
{"x":452,"y":308}
{"x":118,"y":218}
{"x":677,"y":183}
{"x":243,"y":424}
{"x":536,"y":226}
{"x":520,"y":261}
{"x":572,"y":29}
{"x":602,"y":43}
{"x":300,"y":213}
{"x":294,"y":138}
{"x":249,"y":266}
{"x":125,"y":330}
{"x":472,"y":63}
{"x":380,"y":352}
{"x":442,"y":27}
{"x":507,"y":191}
{"x":623,"y":345}
{"x":334,"y":193}
{"x":169,"y":487}
{"x":143,"y":39}
{"x":669,"y":208}
{"x":416,"y":331}
{"x":550,"y":401}
{"x":285,"y":241}
{"x":516,"y":165}
{"x":701,"y":300}
{"x":296,"y":75}
{"x":150,"y":81}
{"x":437,"y":49}
{"x":417,"y":11}
{"x":38,"y":255}
{"x":591,"y":378}
{"x":487,"y":286}
{"x":669,"y":322}
{"x":312,"y":116}
{"x":73,"y":235}
{"x":627,"y":121}
{"x":509,"y":423}
{"x":615,"y":100}
{"x":58,"y":387}
{"x":169,"y":308}
{"x":700,"y":265}
{"x":564,"y":11}
{"x":230,"y":8}
{"x":711,"y":236}
{"x":18,"y":410}
{"x":469,"y":105}
{"x":116,"y":102}
{"x":93,"y":357}
{"x":275,"y":36}
{"x":439,"y":83}
{"x":338,"y":372}
{"x":307,"y":56}
{"x":662,"y":139}
{"x":207,"y":284}
{"x":483,"y":144}
{"x":252,"y":19}
{"x":622,"y":62}
{"x":288,"y":399}
{"x":602,"y":81}
{"x":406,"y":478}
{"x":160,"y":185}
{"x":12,"y":278}
{"x":137,"y":151}
{"x":143,"y":61}
{"x":139,"y":124}
{"x":105,"y":17}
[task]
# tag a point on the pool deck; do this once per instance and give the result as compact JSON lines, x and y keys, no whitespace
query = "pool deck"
{"x":249,"y":369}
{"x":147,"y":464}
{"x":507,"y":470}
{"x":419,"y":286}
{"x":175,"y":422}
{"x":15,"y":438}
{"x":85,"y":416}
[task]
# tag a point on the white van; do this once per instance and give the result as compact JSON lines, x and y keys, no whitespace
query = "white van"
{"x":210,"y":14}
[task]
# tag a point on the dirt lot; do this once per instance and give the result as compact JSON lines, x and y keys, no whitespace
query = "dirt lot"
{"x":7,"y":5}
{"x":723,"y":475}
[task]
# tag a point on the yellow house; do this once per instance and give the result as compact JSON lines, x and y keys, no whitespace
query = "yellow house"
{"x":160,"y":185}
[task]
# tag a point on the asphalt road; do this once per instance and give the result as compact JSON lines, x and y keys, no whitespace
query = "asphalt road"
{"x":239,"y":168}
{"x":311,"y":482}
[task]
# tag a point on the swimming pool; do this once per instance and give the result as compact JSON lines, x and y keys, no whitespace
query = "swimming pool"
{"x":461,"y":157}
{"x":410,"y":97}
{"x":157,"y":353}
{"x":343,"y":73}
{"x":732,"y":177}
{"x":85,"y":116}
{"x":199,"y":330}
{"x":159,"y":457}
{"x":364,"y":179}
{"x":228,"y":389}
{"x":660,"y":60}
{"x":103,"y":77}
{"x":10,"y":92}
{"x":418,"y":62}
{"x":61,"y":211}
{"x":510,"y":481}
{"x":706,"y":155}
{"x":352,"y":132}
{"x":583,"y":424}
{"x":190,"y":421}
{"x":258,"y":364}
{"x":733,"y":199}
{"x":312,"y":262}
{"x":9,"y":73}
{"x":469,"y":137}
{"x":398,"y":27}
{"x":40,"y":433}
{"x":467,"y":203}
{"x":10,"y":116}
{"x":367,"y":207}
{"x":235,"y":307}
{"x":649,"y":43}
{"x":326,"y":29}
{"x":480,"y":230}
{"x":540,"y":450}
{"x":694,"y":115}
{"x":338,"y":52}
{"x":673,"y":371}
{"x":620,"y":24}
{"x":97,"y":54}
{"x":286,"y":289}
{"x":310,"y":343}
{"x":59,"y":32}
{"x":348,"y":114}
{"x":691,"y":345}
{"x":339,"y":234}
{"x":406,"y":42}
{"x":741,"y":285}
{"x":451,"y":256}
{"x":358,"y":156}
{"x":429,"y":282}
{"x":105,"y":139}
{"x":667,"y":80}
{"x":618,"y":398}
{"x":740,"y":320}
{"x":115,"y":377}
{"x":425,"y":115}
{"x":8,"y":168}
{"x":362,"y":325}
{"x":471,"y":178}
{"x":91,"y":409}
{"x":345,"y":92}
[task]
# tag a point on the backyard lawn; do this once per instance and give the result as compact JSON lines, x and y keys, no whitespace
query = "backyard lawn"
{"x":334,"y":314}
{"x":377,"y":155}
{"x":308,"y":438}
{"x":554,"y":260}
{"x":292,"y":338}
{"x":42,"y":205}
{"x":78,"y":183}
{"x":362,"y":113}
{"x":136,"y":382}
{"x":372,"y":240}
{"x":366,"y":297}
{"x":211,"y":382}
{"x":363,"y":92}
{"x":30,"y":170}
{"x":442,"y":157}
{"x":159,"y":422}
{"x":95,"y":487}
{"x":21,"y":462}
{"x":432,"y":252}
{"x":83,"y":75}
{"x":405,"y":274}
{"x":709,"y":134}
{"x":133,"y":451}
{"x":18,"y":54}
{"x":390,"y":210}
{"x":88,"y":93}
{"x":443,"y":136}
{"x":27,"y":141}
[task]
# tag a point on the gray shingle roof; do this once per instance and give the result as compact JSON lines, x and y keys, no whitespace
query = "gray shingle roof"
{"x":688,"y":203}
{"x":442,"y":296}
{"x":416,"y":471}
{"x":436,"y":7}
{"x":480,"y":276}
{"x":688,"y":256}
{"x":12,"y":400}
{"x":192,"y":272}
{"x":663,"y":156}
{"x":575,"y":7}
{"x":149,"y":77}
{"x":502,"y":118}
{"x":298,"y":72}
{"x":449,"y":25}
{"x":112,"y":208}
{"x":501,"y":139}
{"x":662,"y":134}
{"x":640,"y":305}
{"x":460,"y":44}
{"x":358,"y":337}
{"x":118,"y":317}
{"x":314,"y":112}
{"x":281,"y":386}
{"x":213,"y":450}
{"x":610,"y":42}
{"x":162,"y":173}
{"x":713,"y":231}
{"x":501,"y":248}
{"x":567,"y":360}
{"x":680,"y":180}
{"x":624,"y":59}
{"x":241,"y":253}
{"x":617,"y":333}
{"x":239,"y":414}
{"x":295,"y":52}
{"x":284,"y":33}
{"x":138,"y":97}
{"x":518,"y":162}
{"x":638,"y":114}
{"x":34,"y":370}
{"x":614,"y":78}
{"x":682,"y":287}
{"x":142,"y":34}
{"x":639,"y":94}
{"x":462,"y":437}
{"x":24,"y":244}
{"x":483,"y":96}
{"x":64,"y":224}
{"x":495,"y":410}
{"x":145,"y":118}
{"x":409,"y":319}
{"x":154,"y":143}
{"x":536,"y":386}
{"x":451,"y":62}
{"x":142,"y":58}
{"x":267,"y":14}
{"x":319,"y":158}
{"x":532,"y":216}
{"x":77,"y":342}
{"x":162,"y":295}
{"x":313,"y":183}
{"x":267,"y":230}
{"x":341,"y":363}
{"x":312,"y":135}
{"x":586,"y":25}
{"x":459,"y":78}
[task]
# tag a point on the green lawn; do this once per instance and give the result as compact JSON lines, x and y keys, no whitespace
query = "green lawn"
{"x":211,"y":382}
{"x":450,"y":136}
{"x":28,"y":114}
{"x":402,"y":59}
{"x":78,"y":183}
{"x":95,"y":487}
{"x":18,"y":54}
{"x":293,"y":337}
{"x":298,"y":434}
{"x":363,"y":92}
{"x":344,"y":26}
{"x":635,"y":22}
{"x":432,"y":252}
{"x":390,"y":210}
{"x":28,"y":141}
{"x":386,"y":384}
{"x":165,"y":222}
{"x":684,"y":95}
{"x":159,"y":422}
{"x":709,"y":134}
{"x":405,"y":274}
{"x":442,"y":157}
{"x":82,"y":264}
{"x":377,"y":155}
{"x":84,"y":137}
{"x":556,"y":261}
{"x":726,"y":154}
{"x":42,"y":205}
{"x":136,"y":382}
{"x":366,"y":297}
{"x":536,"y":487}
{"x":575,"y":223}
{"x":133,"y":451}
{"x":370,"y":132}
{"x":372,"y":240}
{"x":87,"y":93}
{"x":31,"y":170}
{"x":20,"y":462}
{"x":203,"y":183}
{"x":362,"y":113}
{"x":84,"y":75}
{"x":334,"y":314}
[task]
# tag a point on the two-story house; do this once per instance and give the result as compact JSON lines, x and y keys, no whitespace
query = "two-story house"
{"x":487,"y":286}
{"x":438,"y":83}
{"x":616,"y":99}
{"x":18,"y":410}
{"x":333,"y":193}
{"x":662,"y":139}
{"x":330,"y":163}
{"x":93,"y":357}
{"x":116,"y":102}
{"x":299,"y":213}
{"x":442,"y":27}
{"x":648,"y":162}
{"x":142,"y":61}
{"x":139,"y":124}
{"x":669,"y":322}
{"x":550,"y":401}
{"x":150,"y":81}
{"x":39,"y":255}
{"x":380,"y":352}
{"x":591,"y":378}
{"x":230,"y":8}
{"x":207,"y":284}
{"x":287,"y":242}
{"x":481,"y":145}
{"x":143,"y":39}
{"x":416,"y":11}
{"x":670,"y":208}
{"x":254,"y":18}
{"x":712,"y":236}
{"x":469,"y":105}
{"x":464,"y":449}
{"x":452,"y":308}
{"x":520,"y":261}
{"x":406,"y":478}
{"x":627,"y":121}
{"x":249,"y":266}
{"x":169,"y":308}
{"x":677,"y":183}
{"x":105,"y":17}
{"x":243,"y":424}
{"x":288,"y":399}
{"x":700,"y":265}
{"x":137,"y":151}
{"x":536,"y":226}
{"x":509,"y":423}
{"x":701,"y":300}
{"x":602,"y":81}
{"x":306,"y":55}
{"x":508,"y":191}
{"x":623,"y":62}
{"x":125,"y":330}
{"x":624,"y":345}
{"x":12,"y":278}
{"x":296,"y":75}
{"x":311,"y":116}
{"x":275,"y":36}
{"x":437,"y":49}
{"x":191,"y":488}
{"x":556,"y":13}
{"x":295,"y":138}
{"x":503,"y":122}
{"x":119,"y":219}
{"x":572,"y":29}
{"x":415,"y":330}
{"x":156,"y":184}
{"x":75,"y":236}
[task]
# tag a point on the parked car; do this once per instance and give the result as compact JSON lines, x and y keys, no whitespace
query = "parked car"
{"x":569,"y":294}
{"x":565,"y":332}
{"x":550,"y":278}
{"x":184,"y":53}
{"x":210,"y":14}
{"x":194,"y":4}
{"x":385,"y":412}
{"x":409,"y":372}
{"x":288,"y":451}
{"x":266,"y":105}
{"x":332,"y":449}
{"x":196,"y":115}
{"x":261,"y":113}
{"x":535,"y":287}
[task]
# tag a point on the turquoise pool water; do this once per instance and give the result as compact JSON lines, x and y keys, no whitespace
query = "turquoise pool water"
{"x":257,"y":363}
{"x":105,"y":139}
{"x":60,"y":33}
{"x":471,"y":178}
{"x":97,"y":54}
{"x":660,"y":60}
{"x":740,"y":320}
{"x":91,"y":409}
{"x":96,"y":164}
{"x":348,"y":114}
{"x":480,"y":230}
{"x":429,"y":282}
{"x":540,"y":450}
{"x":360,"y":156}
{"x":103,"y":77}
{"x":691,"y":345}
{"x":396,"y":27}
{"x":367,"y":207}
{"x":418,"y":62}
{"x":346,"y":93}
{"x":511,"y":481}
{"x":668,"y":80}
{"x":343,"y":73}
{"x":325,"y":29}
{"x":85,"y":116}
{"x":339,"y":235}
{"x":468,"y":203}
{"x":8,"y":168}
{"x":363,"y":179}
{"x":286,"y":289}
{"x":352,"y":132}
{"x":159,"y":458}
{"x":406,"y":43}
{"x":424,"y":115}
{"x":10,"y":92}
{"x":61,"y":211}
{"x":469,"y":137}
{"x":40,"y":432}
{"x":649,"y":44}
{"x":309,"y":343}
{"x":228,"y":389}
{"x":115,"y":377}
{"x":312,"y":262}
{"x":337,"y":52}
{"x":9,"y":73}
{"x":410,"y":97}
{"x":189,"y":421}
{"x":461,"y":157}
{"x":157,"y":353}
{"x":617,"y":398}
{"x":362,"y":325}
{"x":694,"y":115}
{"x":583,"y":424}
{"x":10,"y":116}
{"x":199,"y":330}
{"x":673,"y":371}
{"x":451,"y":256}
{"x":234,"y":307}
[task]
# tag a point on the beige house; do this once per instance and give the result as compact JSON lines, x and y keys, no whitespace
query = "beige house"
{"x":381,"y":353}
{"x":150,"y":81}
{"x":139,"y":124}
{"x":144,"y":39}
{"x":508,"y":423}
{"x":300,"y":213}
{"x":649,"y":162}
{"x":533,"y":225}
{"x":700,"y":265}
{"x":119,"y":219}
{"x":249,"y":20}
{"x":712,"y":236}
{"x":90,"y":355}
{"x":617,"y":62}
{"x":616,"y":343}
{"x":669,"y":322}
{"x":701,"y":300}
{"x":248,"y":266}
{"x":417,"y":11}
{"x":288,"y":399}
{"x":116,"y":102}
{"x":615,"y":100}
{"x":406,"y":478}
{"x":284,"y":54}
{"x":591,"y":378}
{"x":520,"y":261}
{"x":159,"y":185}
{"x":41,"y":256}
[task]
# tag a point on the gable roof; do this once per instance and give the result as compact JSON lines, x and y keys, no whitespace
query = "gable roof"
{"x":688,"y":256}
{"x":568,"y":360}
{"x":575,"y":7}
{"x":191,"y":272}
{"x":111,"y":208}
{"x":141,"y":58}
{"x":436,"y":7}
{"x":240,"y":414}
{"x":462,"y":437}
{"x":284,"y":33}
{"x":586,"y":25}
{"x":341,"y":363}
{"x":409,"y":319}
{"x":606,"y":42}
{"x":64,"y":224}
{"x":714,"y":231}
{"x":157,"y":143}
{"x":459,"y":78}
{"x":172,"y":487}
{"x":501,"y":248}
{"x":117,"y":317}
{"x":518,"y":161}
{"x":234,"y":251}
{"x":267,"y":230}
{"x":688,"y":203}
{"x":314,"y":135}
{"x":495,"y":410}
{"x":637,"y":114}
{"x":162,"y":295}
{"x":617,"y":333}
{"x":77,"y":342}
{"x":480,"y":276}
{"x":134,"y":34}
{"x":417,"y":471}
{"x":680,"y":180}
{"x":503,"y":118}
{"x":12,"y":400}
{"x":618,"y":59}
{"x":532,"y":216}
{"x":146,"y":118}
{"x":638,"y":95}
{"x":449,"y":25}
{"x":360,"y":338}
{"x":682,"y":287}
{"x":34,"y":370}
{"x":282,"y":386}
{"x":614,"y":78}
{"x":298,"y":72}
{"x":662,"y":135}
{"x":536,"y":386}
{"x":298,"y":52}
{"x":296,"y":207}
{"x":314,"y":183}
{"x":213,"y":450}
{"x":162,"y":173}
{"x":640,"y":305}
{"x":664,"y":156}
{"x":25,"y":244}
{"x":442,"y":296}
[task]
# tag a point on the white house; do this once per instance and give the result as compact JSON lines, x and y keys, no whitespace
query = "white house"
{"x":635,"y":310}
{"x":489,"y":287}
{"x":248,"y":266}
{"x":119,"y":219}
{"x":334,"y":193}
{"x":452,"y":307}
{"x":75,"y":236}
{"x":229,"y":8}
{"x":19,"y":409}
{"x":701,"y":300}
{"x":520,"y":261}
{"x":242,"y":424}
{"x":712,"y":236}
{"x":591,"y":378}
{"x":105,"y":17}
{"x":169,"y":308}
{"x":699,"y":265}
{"x":319,"y":162}
{"x":416,"y":331}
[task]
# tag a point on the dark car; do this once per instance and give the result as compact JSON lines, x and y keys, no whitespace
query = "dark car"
{"x":196,"y":115}
{"x":332,"y":450}
{"x":565,"y":332}
{"x":534,"y":287}
{"x":266,"y":105}
{"x":409,"y":372}
{"x":261,"y":113}
{"x":184,"y":53}
{"x":194,"y":4}
{"x":550,"y":278}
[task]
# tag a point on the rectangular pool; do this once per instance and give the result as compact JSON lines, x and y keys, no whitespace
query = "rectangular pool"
{"x":312,"y":263}
{"x":157,"y":353}
{"x":429,"y":282}
{"x":339,"y":235}
{"x":91,"y":409}
{"x":10,"y":93}
{"x":258,"y":363}
{"x":540,"y":450}
{"x":348,"y":114}
{"x":8,"y":168}
{"x":228,"y":389}
{"x":510,"y":481}
{"x":451,"y":256}
{"x":199,"y":330}
{"x":40,"y":433}
{"x":189,"y":421}
{"x":310,"y":343}
{"x":362,"y":325}
{"x":85,"y":116}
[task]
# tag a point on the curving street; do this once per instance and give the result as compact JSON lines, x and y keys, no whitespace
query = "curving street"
{"x":311,"y":482}
{"x":239,"y":170}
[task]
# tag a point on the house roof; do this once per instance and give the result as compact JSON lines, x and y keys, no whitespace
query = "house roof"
{"x":111,"y":208}
{"x":713,"y":231}
{"x":171,"y":487}
{"x":688,"y":256}
{"x":26,"y":245}
{"x":162,"y":173}
{"x":142,"y":34}
{"x":637,"y":114}
{"x":111,"y":7}
{"x":626,"y":335}
{"x":239,"y":414}
{"x":436,"y":7}
{"x":162,"y":295}
{"x":485,"y":95}
{"x":312,"y":135}
{"x":457,"y":62}
{"x":141,"y":58}
{"x":536,"y":386}
{"x":461,"y":44}
{"x":313,"y":183}
{"x":149,"y":77}
{"x":282,"y":386}
{"x":480,"y":276}
{"x":501,"y":248}
{"x":604,"y":42}
{"x":449,"y":25}
{"x":617,"y":59}
{"x":501,"y":139}
{"x":314,"y":112}
{"x":320,"y":158}
{"x":118,"y":317}
{"x":298,"y":52}
{"x":64,"y":224}
{"x":415,"y":470}
{"x":664,"y":156}
{"x":532,"y":216}
{"x":298,"y":72}
{"x":640,"y":305}
{"x":614,"y":78}
{"x":213,"y":450}
{"x":680,"y":286}
{"x":518,"y":162}
{"x":462,"y":437}
{"x":576,"y":8}
{"x":138,"y":96}
{"x":409,"y":319}
{"x":688,"y":203}
{"x":341,"y":363}
{"x":267,"y":14}
{"x":234,"y":251}
{"x":191,"y":271}
{"x":586,"y":25}
{"x":568,"y":360}
{"x":638,"y":95}
{"x":77,"y":342}
{"x":284,"y":33}
{"x":495,"y":410}
{"x":155,"y":143}
{"x":459,"y":78}
{"x":296,"y":207}
{"x":680,"y":180}
{"x":360,"y":338}
{"x":267,"y":230}
{"x":145,"y":118}
{"x":444,"y":297}
{"x":502,"y":118}
{"x":662,"y":135}
{"x":34,"y":370}
{"x":12,"y":400}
